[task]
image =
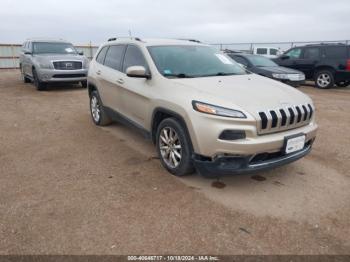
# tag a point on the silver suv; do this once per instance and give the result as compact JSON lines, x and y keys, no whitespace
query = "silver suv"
{"x":44,"y":61}
{"x":201,"y":109}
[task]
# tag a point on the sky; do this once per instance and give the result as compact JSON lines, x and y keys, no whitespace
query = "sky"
{"x":211,"y":21}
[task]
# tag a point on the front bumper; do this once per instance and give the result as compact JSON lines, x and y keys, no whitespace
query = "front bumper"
{"x":52,"y":75}
{"x":292,"y":83}
{"x":233,"y":165}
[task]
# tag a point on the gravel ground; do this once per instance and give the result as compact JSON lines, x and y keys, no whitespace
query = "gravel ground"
{"x":69,"y":187}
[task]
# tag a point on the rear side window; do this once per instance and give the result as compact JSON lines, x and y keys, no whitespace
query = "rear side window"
{"x":335,"y":52}
{"x":311,"y":53}
{"x":101,"y":55}
{"x":240,"y":60}
{"x":114,"y":57}
{"x":133,"y":57}
{"x":261,"y":51}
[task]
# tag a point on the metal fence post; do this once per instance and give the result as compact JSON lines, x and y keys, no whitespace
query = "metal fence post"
{"x":91,"y":53}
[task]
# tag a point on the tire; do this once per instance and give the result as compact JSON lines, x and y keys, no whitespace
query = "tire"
{"x":174,"y":147}
{"x":83,"y":84}
{"x":40,"y":86}
{"x":98,"y":113}
{"x":24,"y":78}
{"x":324,"y":79}
{"x":343,"y":84}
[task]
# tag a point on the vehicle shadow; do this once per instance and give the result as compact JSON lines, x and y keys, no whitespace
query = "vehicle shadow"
{"x":61,"y":87}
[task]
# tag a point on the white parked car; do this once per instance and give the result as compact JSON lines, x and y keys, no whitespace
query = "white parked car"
{"x":271,"y":52}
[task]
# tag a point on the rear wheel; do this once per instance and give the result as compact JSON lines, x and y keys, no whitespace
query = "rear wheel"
{"x":324,"y":79}
{"x":173,"y":146}
{"x":98,"y":113}
{"x":24,"y":78}
{"x":40,"y":86}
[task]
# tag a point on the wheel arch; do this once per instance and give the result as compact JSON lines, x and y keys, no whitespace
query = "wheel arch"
{"x":323,"y":67}
{"x":91,"y":88}
{"x":159,"y":114}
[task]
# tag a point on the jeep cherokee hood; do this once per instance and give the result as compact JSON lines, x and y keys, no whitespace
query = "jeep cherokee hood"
{"x":250,"y":93}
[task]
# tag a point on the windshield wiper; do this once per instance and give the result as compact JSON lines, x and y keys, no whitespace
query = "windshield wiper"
{"x":218,"y":74}
{"x":181,"y":75}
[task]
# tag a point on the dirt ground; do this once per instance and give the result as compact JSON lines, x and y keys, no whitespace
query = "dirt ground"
{"x":69,"y":187}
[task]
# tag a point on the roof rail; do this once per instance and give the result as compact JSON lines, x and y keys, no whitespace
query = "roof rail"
{"x":191,"y":40}
{"x":126,"y":37}
{"x":325,"y":44}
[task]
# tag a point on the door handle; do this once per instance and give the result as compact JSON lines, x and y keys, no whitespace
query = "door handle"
{"x":98,"y":72}
{"x":120,"y":81}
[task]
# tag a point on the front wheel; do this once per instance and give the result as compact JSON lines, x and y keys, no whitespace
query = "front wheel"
{"x":40,"y":86}
{"x":173,"y":146}
{"x":324,"y":79}
{"x":83,"y":84}
{"x":98,"y":113}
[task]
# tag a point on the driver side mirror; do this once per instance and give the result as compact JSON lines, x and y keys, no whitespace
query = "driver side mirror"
{"x":138,"y":72}
{"x":27,"y":53}
{"x":81,"y":53}
{"x":284,"y":57}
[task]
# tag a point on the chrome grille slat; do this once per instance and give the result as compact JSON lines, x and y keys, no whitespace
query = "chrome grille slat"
{"x":284,"y":118}
{"x":67,"y":65}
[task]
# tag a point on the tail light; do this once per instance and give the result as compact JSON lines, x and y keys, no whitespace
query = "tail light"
{"x":348,"y":65}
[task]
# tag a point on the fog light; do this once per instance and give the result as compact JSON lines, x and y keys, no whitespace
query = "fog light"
{"x":232,"y":135}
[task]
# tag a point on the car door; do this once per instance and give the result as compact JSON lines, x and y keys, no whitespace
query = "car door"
{"x":310,"y":58}
{"x":110,"y":75}
{"x":291,"y":58}
{"x":136,"y":91}
{"x":25,"y":59}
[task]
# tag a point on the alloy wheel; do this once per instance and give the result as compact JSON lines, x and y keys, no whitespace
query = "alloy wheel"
{"x":323,"y":80}
{"x":170,"y":147}
{"x":95,"y":109}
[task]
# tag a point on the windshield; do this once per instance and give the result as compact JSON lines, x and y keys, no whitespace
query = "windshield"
{"x":261,"y":61}
{"x":53,"y":48}
{"x":193,"y":61}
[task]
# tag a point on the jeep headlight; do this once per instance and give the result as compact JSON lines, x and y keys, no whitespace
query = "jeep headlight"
{"x":280,"y":76}
{"x":217,"y":110}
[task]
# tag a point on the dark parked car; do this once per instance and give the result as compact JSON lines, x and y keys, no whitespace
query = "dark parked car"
{"x":326,"y":64}
{"x":264,"y":66}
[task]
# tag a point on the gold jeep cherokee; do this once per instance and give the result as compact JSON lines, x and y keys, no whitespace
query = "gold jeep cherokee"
{"x":200,"y":108}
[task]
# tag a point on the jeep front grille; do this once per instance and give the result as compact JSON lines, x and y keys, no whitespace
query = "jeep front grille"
{"x":68,"y":65}
{"x":284,"y":118}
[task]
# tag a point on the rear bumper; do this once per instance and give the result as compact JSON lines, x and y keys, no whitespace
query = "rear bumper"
{"x":342,"y":76}
{"x":234,"y":165}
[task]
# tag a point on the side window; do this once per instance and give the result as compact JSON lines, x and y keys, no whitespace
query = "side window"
{"x":240,"y":60}
{"x":311,"y":53}
{"x":335,"y":52}
{"x":114,"y":57}
{"x":294,"y":53}
{"x":101,"y":55}
{"x":273,"y":51}
{"x":133,"y":57}
{"x":261,"y":51}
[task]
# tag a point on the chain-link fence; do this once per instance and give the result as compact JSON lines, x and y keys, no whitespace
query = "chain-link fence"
{"x":9,"y":54}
